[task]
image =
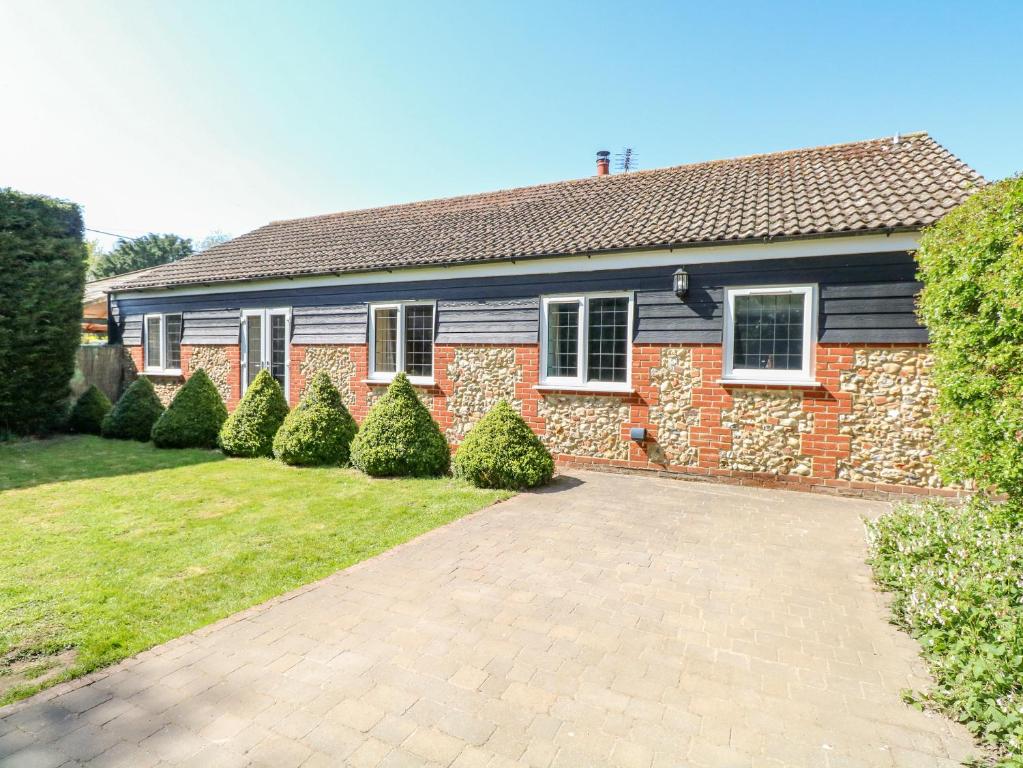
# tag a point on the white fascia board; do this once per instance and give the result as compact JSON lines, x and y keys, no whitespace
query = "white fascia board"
{"x":847,"y":245}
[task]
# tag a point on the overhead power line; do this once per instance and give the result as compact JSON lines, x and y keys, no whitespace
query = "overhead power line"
{"x":111,"y":234}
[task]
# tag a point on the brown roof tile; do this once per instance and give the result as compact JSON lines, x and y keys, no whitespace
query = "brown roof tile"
{"x":847,"y":188}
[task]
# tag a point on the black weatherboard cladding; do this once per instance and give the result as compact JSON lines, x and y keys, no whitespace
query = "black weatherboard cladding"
{"x":864,"y":298}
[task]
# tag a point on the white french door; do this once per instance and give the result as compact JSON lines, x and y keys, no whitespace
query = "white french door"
{"x":266,"y":335}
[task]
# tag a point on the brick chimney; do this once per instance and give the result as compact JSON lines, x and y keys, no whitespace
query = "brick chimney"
{"x":603,"y":162}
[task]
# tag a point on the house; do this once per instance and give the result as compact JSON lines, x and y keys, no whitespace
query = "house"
{"x":750,"y":319}
{"x":95,"y":309}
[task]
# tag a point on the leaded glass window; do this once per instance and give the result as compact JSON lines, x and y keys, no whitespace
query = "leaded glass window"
{"x":402,"y":340}
{"x":769,"y":333}
{"x":154,"y":359}
{"x":419,"y":340}
{"x":607,"y":345}
{"x":586,"y":340}
{"x":563,"y":339}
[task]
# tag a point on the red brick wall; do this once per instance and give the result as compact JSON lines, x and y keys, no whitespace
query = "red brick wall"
{"x":823,"y":446}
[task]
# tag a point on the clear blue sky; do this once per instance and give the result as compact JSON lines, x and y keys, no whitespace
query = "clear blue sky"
{"x":192,"y":116}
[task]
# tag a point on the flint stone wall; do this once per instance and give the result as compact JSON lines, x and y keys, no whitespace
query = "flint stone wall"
{"x":767,"y":429}
{"x":889,"y":431}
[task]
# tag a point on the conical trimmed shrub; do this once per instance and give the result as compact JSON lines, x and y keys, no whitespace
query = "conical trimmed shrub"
{"x":319,"y":430}
{"x":250,"y":430}
{"x":90,"y":410}
{"x":194,"y":417}
{"x":135,"y":412}
{"x":399,"y":437}
{"x":501,"y":451}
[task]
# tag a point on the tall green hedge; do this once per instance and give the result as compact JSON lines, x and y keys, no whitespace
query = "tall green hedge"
{"x":971,"y":264}
{"x":42,"y":277}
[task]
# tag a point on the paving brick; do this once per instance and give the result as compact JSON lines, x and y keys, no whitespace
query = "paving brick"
{"x":615,"y":621}
{"x":431,"y":744}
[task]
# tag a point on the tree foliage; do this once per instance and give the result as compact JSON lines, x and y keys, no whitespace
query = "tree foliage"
{"x":194,"y":417}
{"x":42,"y":276}
{"x":89,"y":411}
{"x":971,"y":263}
{"x":142,"y":252}
{"x":319,"y":430}
{"x":250,"y":430}
{"x":134,"y":413}
{"x":501,"y":451}
{"x":399,"y":437}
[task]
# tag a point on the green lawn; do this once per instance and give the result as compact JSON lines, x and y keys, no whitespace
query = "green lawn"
{"x":110,"y":547}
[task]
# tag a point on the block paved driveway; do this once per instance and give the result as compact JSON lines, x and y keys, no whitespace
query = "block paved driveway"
{"x":609,"y":620}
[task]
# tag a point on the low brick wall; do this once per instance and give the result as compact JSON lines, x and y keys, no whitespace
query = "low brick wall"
{"x":863,"y":431}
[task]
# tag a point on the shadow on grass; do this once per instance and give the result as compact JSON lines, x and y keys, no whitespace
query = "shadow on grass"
{"x":28,"y":463}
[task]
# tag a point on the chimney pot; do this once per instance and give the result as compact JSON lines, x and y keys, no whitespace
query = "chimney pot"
{"x":603,"y":163}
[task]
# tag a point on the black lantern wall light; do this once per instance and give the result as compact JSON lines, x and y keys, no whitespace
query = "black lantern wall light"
{"x":680,"y":282}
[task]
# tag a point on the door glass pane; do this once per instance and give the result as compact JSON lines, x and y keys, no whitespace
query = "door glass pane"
{"x":253,"y":347}
{"x":607,"y":339}
{"x":278,"y":348}
{"x":385,"y":343}
{"x":768,"y":332}
{"x":419,"y":340}
{"x":563,"y":339}
{"x":172,"y":333}
{"x":153,"y":342}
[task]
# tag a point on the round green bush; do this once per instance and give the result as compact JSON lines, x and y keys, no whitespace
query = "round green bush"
{"x":501,"y":451}
{"x":194,"y":417}
{"x":971,"y":264}
{"x":399,"y":437}
{"x":319,"y":430}
{"x":88,"y":413}
{"x":135,"y":412}
{"x":250,"y":430}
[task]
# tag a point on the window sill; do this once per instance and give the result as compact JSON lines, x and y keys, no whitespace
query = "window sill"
{"x":161,"y":372}
{"x":770,"y":382}
{"x":414,"y":381}
{"x":598,"y":389}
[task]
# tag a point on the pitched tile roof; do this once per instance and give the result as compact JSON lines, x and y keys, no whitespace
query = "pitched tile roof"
{"x":860,"y":187}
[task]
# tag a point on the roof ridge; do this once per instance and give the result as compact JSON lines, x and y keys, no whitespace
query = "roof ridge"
{"x":590,"y":179}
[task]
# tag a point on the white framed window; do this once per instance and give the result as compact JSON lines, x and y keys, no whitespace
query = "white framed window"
{"x":586,"y":341}
{"x":401,"y":340}
{"x":770,"y":334}
{"x":161,"y":343}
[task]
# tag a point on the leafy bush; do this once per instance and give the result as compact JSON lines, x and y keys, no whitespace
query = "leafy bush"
{"x":42,"y":276}
{"x":319,"y":430}
{"x":399,"y":437}
{"x":971,"y":263}
{"x":88,"y":413}
{"x":135,"y":412}
{"x":250,"y":430}
{"x":501,"y":451}
{"x":957,"y":575}
{"x":194,"y":417}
